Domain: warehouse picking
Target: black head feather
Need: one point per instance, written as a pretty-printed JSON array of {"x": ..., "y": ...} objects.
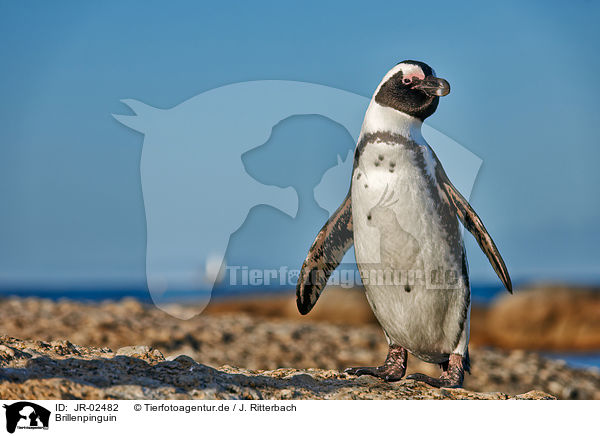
[{"x": 404, "y": 97}]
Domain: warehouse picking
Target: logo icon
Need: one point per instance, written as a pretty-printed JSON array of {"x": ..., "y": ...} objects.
[{"x": 26, "y": 415}]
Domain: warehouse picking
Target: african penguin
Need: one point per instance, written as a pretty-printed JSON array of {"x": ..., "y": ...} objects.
[{"x": 401, "y": 214}]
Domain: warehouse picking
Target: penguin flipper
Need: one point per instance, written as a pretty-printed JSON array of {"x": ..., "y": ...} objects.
[
  {"x": 473, "y": 224},
  {"x": 333, "y": 241}
]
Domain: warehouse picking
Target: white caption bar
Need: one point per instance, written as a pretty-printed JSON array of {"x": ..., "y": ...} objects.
[{"x": 75, "y": 417}]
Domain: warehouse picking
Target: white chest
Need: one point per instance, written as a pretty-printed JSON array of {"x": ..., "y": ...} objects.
[
  {"x": 407, "y": 258},
  {"x": 394, "y": 210}
]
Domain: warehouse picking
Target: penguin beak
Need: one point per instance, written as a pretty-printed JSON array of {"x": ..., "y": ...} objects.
[{"x": 432, "y": 86}]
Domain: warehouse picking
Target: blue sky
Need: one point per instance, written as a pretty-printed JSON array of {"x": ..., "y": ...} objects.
[{"x": 523, "y": 99}]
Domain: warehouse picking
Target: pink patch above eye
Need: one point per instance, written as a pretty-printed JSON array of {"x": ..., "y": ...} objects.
[
  {"x": 408, "y": 79},
  {"x": 416, "y": 76}
]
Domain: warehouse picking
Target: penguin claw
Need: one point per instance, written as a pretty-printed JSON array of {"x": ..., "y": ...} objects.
[
  {"x": 362, "y": 370},
  {"x": 445, "y": 381}
]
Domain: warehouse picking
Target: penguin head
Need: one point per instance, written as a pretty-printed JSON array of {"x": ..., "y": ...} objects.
[{"x": 413, "y": 88}]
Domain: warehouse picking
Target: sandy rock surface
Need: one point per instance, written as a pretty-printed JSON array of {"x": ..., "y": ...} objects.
[
  {"x": 61, "y": 370},
  {"x": 228, "y": 340},
  {"x": 546, "y": 317}
]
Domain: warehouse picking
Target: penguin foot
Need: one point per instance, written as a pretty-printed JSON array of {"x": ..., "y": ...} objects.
[
  {"x": 383, "y": 372},
  {"x": 442, "y": 382},
  {"x": 392, "y": 370},
  {"x": 452, "y": 377}
]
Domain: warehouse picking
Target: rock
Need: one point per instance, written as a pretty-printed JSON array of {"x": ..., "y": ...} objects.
[
  {"x": 135, "y": 350},
  {"x": 546, "y": 317},
  {"x": 92, "y": 373},
  {"x": 225, "y": 342},
  {"x": 140, "y": 351},
  {"x": 534, "y": 395}
]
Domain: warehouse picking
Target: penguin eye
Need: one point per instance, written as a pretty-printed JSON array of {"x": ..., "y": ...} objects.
[
  {"x": 406, "y": 80},
  {"x": 369, "y": 217}
]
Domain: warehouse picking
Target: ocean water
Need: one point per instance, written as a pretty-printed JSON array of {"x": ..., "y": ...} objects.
[
  {"x": 480, "y": 294},
  {"x": 577, "y": 360}
]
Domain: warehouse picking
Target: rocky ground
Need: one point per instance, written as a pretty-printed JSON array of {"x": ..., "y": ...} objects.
[
  {"x": 213, "y": 346},
  {"x": 61, "y": 370}
]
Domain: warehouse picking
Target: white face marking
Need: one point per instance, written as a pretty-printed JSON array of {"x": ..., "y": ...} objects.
[{"x": 408, "y": 71}]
